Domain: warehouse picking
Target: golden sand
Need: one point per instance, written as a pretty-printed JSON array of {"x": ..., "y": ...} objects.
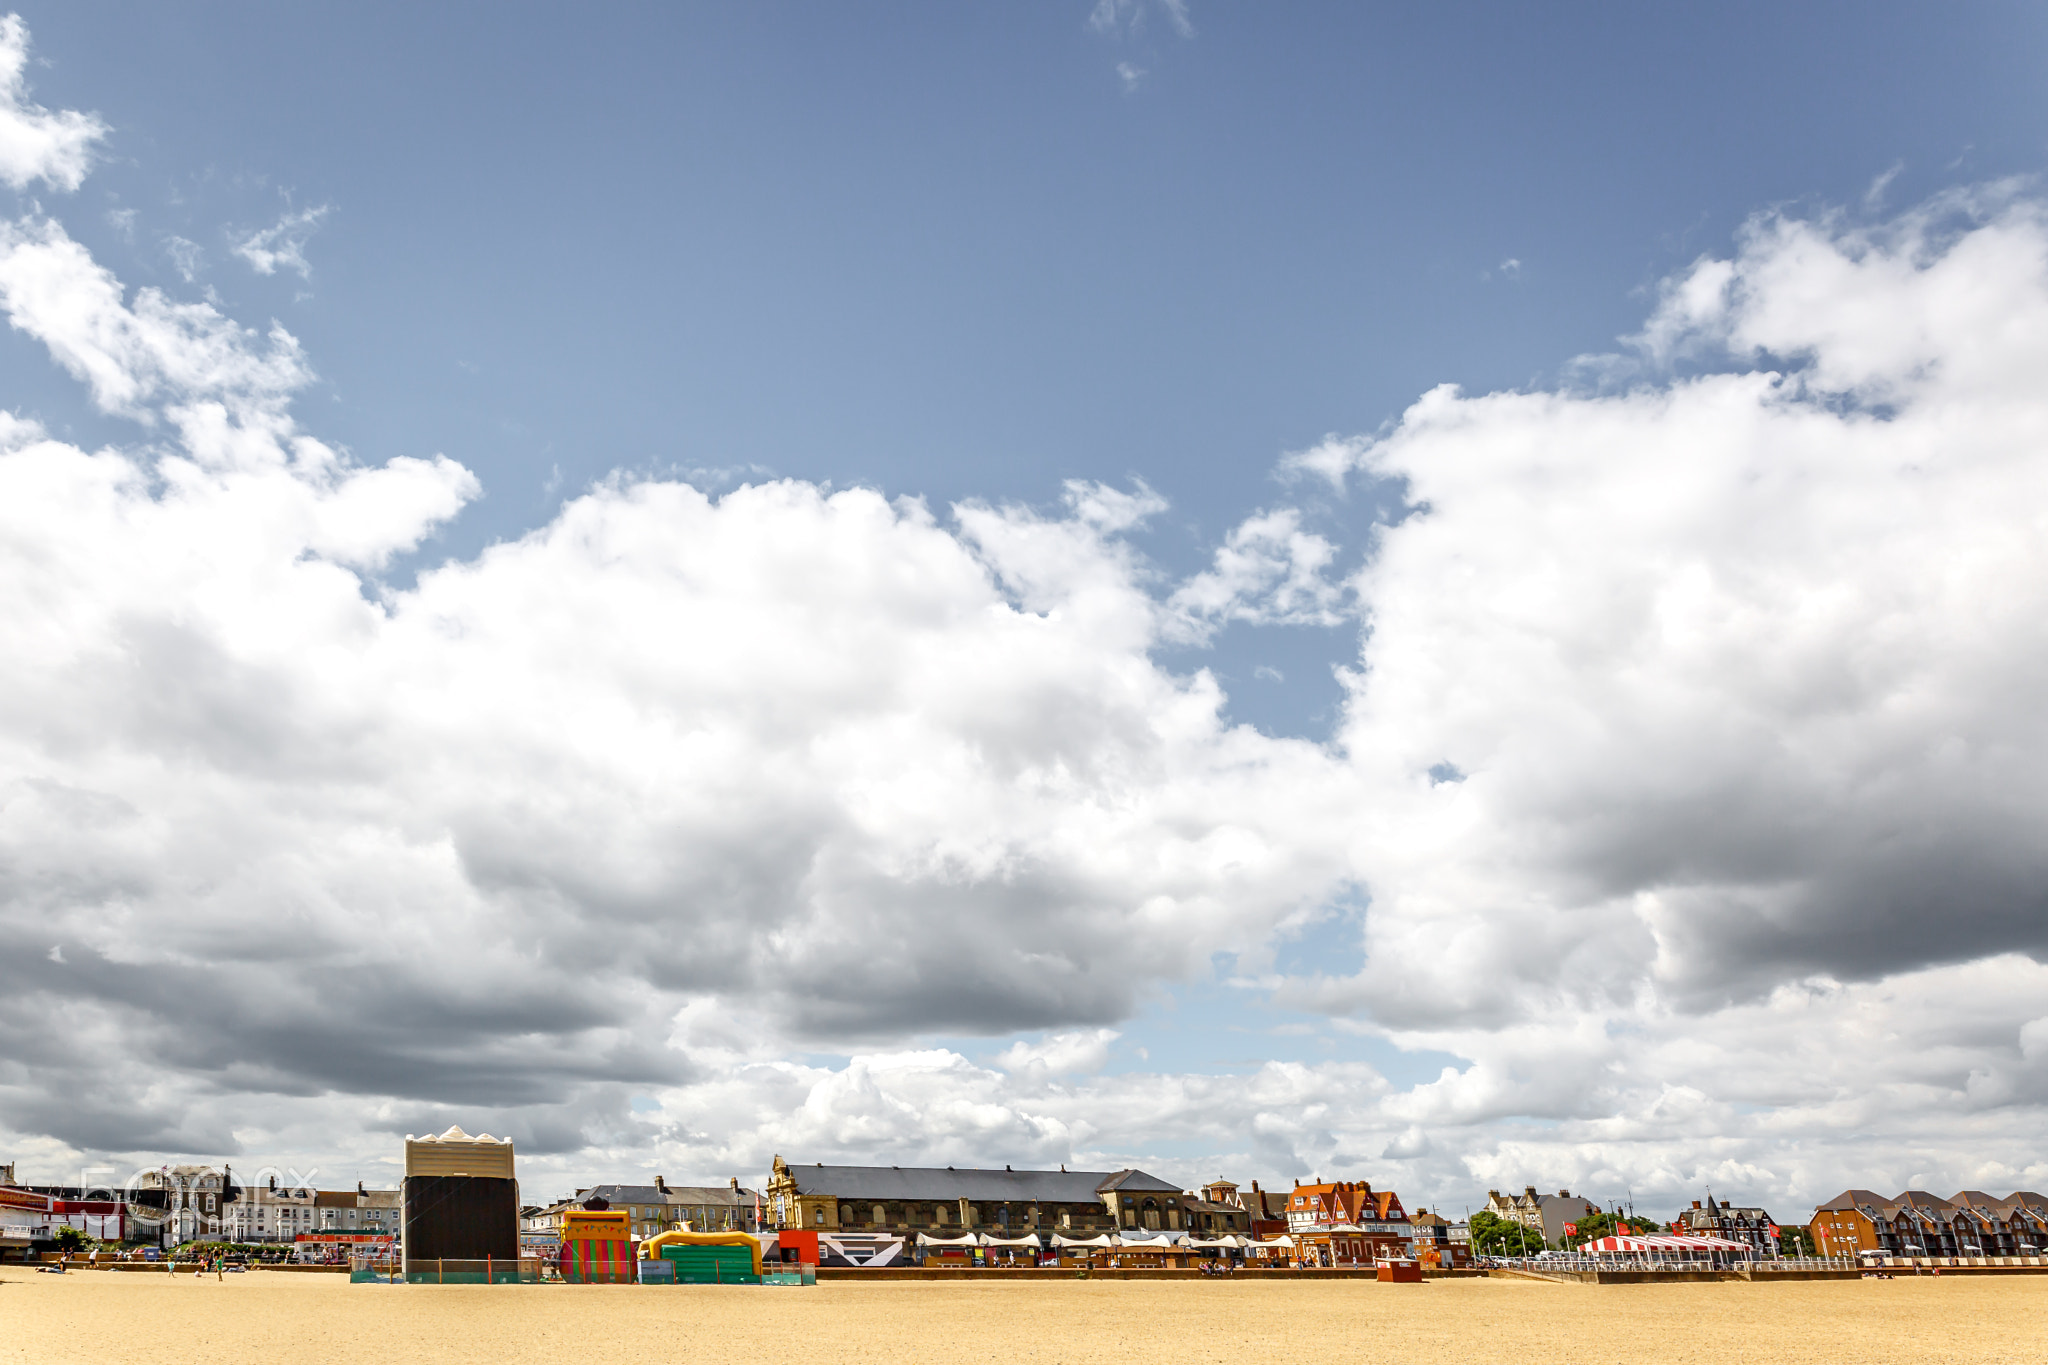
[{"x": 271, "y": 1317}]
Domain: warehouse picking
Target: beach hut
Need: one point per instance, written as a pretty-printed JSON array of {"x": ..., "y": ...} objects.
[
  {"x": 1152, "y": 1247},
  {"x": 1082, "y": 1251},
  {"x": 1270, "y": 1250},
  {"x": 954, "y": 1251},
  {"x": 1011, "y": 1250},
  {"x": 1228, "y": 1247}
]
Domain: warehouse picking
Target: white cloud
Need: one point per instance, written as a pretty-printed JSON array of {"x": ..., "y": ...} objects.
[
  {"x": 1132, "y": 76},
  {"x": 186, "y": 256},
  {"x": 1268, "y": 571},
  {"x": 819, "y": 749},
  {"x": 282, "y": 246},
  {"x": 1742, "y": 880},
  {"x": 1129, "y": 16},
  {"x": 1740, "y": 672},
  {"x": 36, "y": 144},
  {"x": 1332, "y": 459},
  {"x": 1082, "y": 1051}
]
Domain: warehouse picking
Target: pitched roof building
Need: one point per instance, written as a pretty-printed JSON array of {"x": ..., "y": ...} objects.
[
  {"x": 1751, "y": 1226},
  {"x": 950, "y": 1200},
  {"x": 1543, "y": 1214},
  {"x": 1916, "y": 1223},
  {"x": 656, "y": 1208},
  {"x": 1347, "y": 1222}
]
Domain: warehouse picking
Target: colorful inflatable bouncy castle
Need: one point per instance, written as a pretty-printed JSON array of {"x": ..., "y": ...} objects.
[
  {"x": 597, "y": 1245},
  {"x": 708, "y": 1257}
]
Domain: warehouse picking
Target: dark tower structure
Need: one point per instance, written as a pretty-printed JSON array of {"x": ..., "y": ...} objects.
[{"x": 461, "y": 1202}]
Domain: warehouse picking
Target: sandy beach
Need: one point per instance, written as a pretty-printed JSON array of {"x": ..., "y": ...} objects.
[{"x": 263, "y": 1317}]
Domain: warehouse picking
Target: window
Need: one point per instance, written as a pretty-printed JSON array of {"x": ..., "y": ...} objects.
[{"x": 818, "y": 1216}]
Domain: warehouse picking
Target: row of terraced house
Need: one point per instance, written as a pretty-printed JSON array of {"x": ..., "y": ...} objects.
[{"x": 1916, "y": 1223}]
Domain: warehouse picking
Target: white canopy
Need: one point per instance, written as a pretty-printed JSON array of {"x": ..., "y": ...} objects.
[
  {"x": 1281, "y": 1241},
  {"x": 1060, "y": 1239},
  {"x": 965, "y": 1239},
  {"x": 1028, "y": 1240},
  {"x": 1152, "y": 1238},
  {"x": 1227, "y": 1240}
]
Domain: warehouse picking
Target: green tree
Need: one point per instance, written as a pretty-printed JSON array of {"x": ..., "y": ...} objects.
[
  {"x": 1602, "y": 1224},
  {"x": 70, "y": 1239},
  {"x": 1493, "y": 1235},
  {"x": 1795, "y": 1241}
]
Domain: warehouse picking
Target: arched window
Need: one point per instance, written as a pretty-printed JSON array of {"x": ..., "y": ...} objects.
[
  {"x": 818, "y": 1216},
  {"x": 880, "y": 1216}
]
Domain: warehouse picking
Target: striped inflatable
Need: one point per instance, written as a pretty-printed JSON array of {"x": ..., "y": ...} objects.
[{"x": 607, "y": 1261}]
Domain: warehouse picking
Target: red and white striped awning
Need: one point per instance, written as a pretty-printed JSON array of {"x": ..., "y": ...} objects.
[{"x": 1666, "y": 1243}]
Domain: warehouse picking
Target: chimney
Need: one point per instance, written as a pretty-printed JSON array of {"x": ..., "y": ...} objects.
[
  {"x": 661, "y": 1184},
  {"x": 1695, "y": 1203},
  {"x": 735, "y": 1183}
]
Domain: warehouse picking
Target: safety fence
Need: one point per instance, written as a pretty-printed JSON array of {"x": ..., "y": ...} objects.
[
  {"x": 1669, "y": 1264},
  {"x": 371, "y": 1269},
  {"x": 489, "y": 1270}
]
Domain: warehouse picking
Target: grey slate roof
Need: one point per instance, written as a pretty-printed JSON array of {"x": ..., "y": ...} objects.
[
  {"x": 676, "y": 1194},
  {"x": 944, "y": 1183}
]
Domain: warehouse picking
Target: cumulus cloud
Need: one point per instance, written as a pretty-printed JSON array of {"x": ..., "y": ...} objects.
[
  {"x": 887, "y": 770},
  {"x": 1269, "y": 570},
  {"x": 282, "y": 246},
  {"x": 36, "y": 144},
  {"x": 1736, "y": 665},
  {"x": 1690, "y": 764}
]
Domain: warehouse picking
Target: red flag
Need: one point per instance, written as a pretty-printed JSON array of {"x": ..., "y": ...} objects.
[{"x": 1571, "y": 1229}]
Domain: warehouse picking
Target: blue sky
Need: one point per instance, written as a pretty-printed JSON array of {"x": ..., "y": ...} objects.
[
  {"x": 942, "y": 249},
  {"x": 949, "y": 250},
  {"x": 972, "y": 253}
]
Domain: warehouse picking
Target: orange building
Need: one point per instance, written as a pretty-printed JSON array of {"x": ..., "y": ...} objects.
[
  {"x": 1847, "y": 1224},
  {"x": 1347, "y": 1223},
  {"x": 1916, "y": 1223}
]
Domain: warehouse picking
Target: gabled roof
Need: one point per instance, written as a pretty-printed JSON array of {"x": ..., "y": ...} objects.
[
  {"x": 1850, "y": 1200},
  {"x": 1922, "y": 1199},
  {"x": 938, "y": 1184},
  {"x": 709, "y": 1194}
]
